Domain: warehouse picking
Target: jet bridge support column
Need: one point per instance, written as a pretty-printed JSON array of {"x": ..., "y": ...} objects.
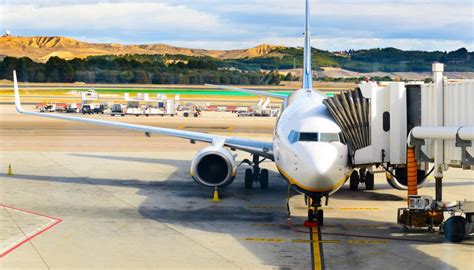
[{"x": 439, "y": 121}]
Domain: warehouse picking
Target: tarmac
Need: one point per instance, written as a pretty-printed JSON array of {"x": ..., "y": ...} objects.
[{"x": 81, "y": 196}]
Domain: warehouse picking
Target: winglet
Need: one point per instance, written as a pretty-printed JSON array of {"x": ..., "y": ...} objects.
[{"x": 17, "y": 94}]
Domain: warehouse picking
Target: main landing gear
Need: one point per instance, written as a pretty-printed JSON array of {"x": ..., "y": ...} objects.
[
  {"x": 361, "y": 176},
  {"x": 256, "y": 174},
  {"x": 315, "y": 215}
]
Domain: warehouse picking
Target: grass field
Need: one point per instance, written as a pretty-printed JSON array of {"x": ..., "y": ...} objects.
[{"x": 183, "y": 92}]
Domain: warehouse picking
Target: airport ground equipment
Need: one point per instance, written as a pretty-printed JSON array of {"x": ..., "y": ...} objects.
[
  {"x": 424, "y": 212},
  {"x": 420, "y": 213},
  {"x": 48, "y": 108},
  {"x": 191, "y": 109},
  {"x": 117, "y": 109},
  {"x": 87, "y": 109},
  {"x": 72, "y": 108}
]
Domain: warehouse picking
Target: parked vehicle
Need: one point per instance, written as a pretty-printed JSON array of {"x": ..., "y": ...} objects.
[
  {"x": 117, "y": 109},
  {"x": 99, "y": 109},
  {"x": 87, "y": 109},
  {"x": 72, "y": 108},
  {"x": 60, "y": 107},
  {"x": 48, "y": 108}
]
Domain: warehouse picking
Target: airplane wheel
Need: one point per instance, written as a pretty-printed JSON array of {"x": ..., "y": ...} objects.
[
  {"x": 263, "y": 179},
  {"x": 320, "y": 217},
  {"x": 369, "y": 181},
  {"x": 248, "y": 179},
  {"x": 311, "y": 215},
  {"x": 354, "y": 180},
  {"x": 455, "y": 229}
]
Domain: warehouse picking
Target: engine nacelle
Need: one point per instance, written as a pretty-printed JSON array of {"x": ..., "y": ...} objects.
[
  {"x": 398, "y": 178},
  {"x": 213, "y": 167}
]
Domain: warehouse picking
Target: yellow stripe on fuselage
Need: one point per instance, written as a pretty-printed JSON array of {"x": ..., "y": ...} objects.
[{"x": 295, "y": 182}]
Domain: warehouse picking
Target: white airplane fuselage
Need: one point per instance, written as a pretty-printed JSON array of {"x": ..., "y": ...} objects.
[{"x": 307, "y": 145}]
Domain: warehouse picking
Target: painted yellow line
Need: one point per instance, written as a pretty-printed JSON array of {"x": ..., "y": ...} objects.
[
  {"x": 315, "y": 248},
  {"x": 369, "y": 242},
  {"x": 314, "y": 241},
  {"x": 273, "y": 240}
]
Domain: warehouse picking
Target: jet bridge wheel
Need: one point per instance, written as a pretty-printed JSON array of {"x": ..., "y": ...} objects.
[
  {"x": 369, "y": 181},
  {"x": 354, "y": 180}
]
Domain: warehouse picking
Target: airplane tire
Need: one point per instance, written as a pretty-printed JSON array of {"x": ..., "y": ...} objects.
[
  {"x": 455, "y": 229},
  {"x": 354, "y": 180},
  {"x": 320, "y": 217},
  {"x": 248, "y": 179},
  {"x": 311, "y": 215},
  {"x": 263, "y": 179},
  {"x": 369, "y": 181}
]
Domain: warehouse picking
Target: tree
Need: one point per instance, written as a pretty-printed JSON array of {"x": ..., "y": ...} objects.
[
  {"x": 289, "y": 77},
  {"x": 141, "y": 77}
]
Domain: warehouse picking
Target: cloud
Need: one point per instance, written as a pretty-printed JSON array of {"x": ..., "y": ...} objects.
[{"x": 336, "y": 24}]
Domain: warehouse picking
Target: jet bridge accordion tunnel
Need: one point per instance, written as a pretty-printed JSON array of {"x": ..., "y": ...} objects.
[{"x": 376, "y": 120}]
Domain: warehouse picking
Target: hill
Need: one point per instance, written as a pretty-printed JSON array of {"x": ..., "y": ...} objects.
[
  {"x": 262, "y": 57},
  {"x": 40, "y": 49}
]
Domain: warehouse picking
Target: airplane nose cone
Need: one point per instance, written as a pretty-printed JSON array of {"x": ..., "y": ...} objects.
[{"x": 322, "y": 165}]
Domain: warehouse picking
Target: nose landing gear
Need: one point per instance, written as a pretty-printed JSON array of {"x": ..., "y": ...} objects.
[
  {"x": 256, "y": 174},
  {"x": 315, "y": 215}
]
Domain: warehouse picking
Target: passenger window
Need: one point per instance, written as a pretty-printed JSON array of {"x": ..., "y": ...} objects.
[
  {"x": 329, "y": 137},
  {"x": 308, "y": 137}
]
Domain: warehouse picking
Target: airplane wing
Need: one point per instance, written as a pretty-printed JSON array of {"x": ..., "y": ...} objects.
[
  {"x": 254, "y": 92},
  {"x": 264, "y": 149}
]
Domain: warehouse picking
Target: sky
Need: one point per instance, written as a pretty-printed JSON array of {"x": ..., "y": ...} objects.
[{"x": 232, "y": 24}]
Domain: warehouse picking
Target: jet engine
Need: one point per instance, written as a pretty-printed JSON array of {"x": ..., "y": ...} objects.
[
  {"x": 213, "y": 167},
  {"x": 397, "y": 178}
]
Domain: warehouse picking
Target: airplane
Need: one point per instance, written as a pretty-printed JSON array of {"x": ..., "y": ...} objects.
[{"x": 308, "y": 148}]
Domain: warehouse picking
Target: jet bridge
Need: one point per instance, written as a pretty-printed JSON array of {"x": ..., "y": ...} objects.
[
  {"x": 410, "y": 130},
  {"x": 376, "y": 120}
]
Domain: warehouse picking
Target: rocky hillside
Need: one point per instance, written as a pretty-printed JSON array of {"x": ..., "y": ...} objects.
[{"x": 40, "y": 49}]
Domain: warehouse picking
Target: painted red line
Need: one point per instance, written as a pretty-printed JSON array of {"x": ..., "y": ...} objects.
[
  {"x": 57, "y": 221},
  {"x": 29, "y": 212}
]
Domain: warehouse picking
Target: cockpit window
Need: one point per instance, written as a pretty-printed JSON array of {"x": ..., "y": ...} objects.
[
  {"x": 308, "y": 137},
  {"x": 293, "y": 137},
  {"x": 296, "y": 136},
  {"x": 329, "y": 137}
]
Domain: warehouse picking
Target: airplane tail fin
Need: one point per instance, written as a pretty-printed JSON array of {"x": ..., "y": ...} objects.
[{"x": 307, "y": 71}]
